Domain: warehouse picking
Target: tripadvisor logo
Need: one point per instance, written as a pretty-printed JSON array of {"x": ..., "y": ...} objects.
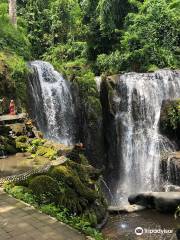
[{"x": 139, "y": 231}]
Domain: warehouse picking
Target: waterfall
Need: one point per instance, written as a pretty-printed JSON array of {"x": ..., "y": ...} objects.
[
  {"x": 138, "y": 105},
  {"x": 52, "y": 103}
]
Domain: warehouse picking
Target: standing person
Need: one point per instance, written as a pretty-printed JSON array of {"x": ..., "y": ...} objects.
[{"x": 12, "y": 108}]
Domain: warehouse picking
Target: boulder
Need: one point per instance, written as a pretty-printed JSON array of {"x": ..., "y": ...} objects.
[{"x": 161, "y": 201}]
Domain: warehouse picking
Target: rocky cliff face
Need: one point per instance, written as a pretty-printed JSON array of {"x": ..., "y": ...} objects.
[
  {"x": 108, "y": 92},
  {"x": 90, "y": 124}
]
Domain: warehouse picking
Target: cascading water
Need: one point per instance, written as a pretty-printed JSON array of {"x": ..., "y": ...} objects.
[
  {"x": 52, "y": 103},
  {"x": 138, "y": 103}
]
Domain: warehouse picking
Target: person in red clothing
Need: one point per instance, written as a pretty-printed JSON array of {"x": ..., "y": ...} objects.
[{"x": 12, "y": 108}]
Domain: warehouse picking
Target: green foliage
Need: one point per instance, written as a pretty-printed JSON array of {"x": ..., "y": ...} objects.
[
  {"x": 149, "y": 41},
  {"x": 62, "y": 214},
  {"x": 109, "y": 64},
  {"x": 112, "y": 36},
  {"x": 62, "y": 53},
  {"x": 7, "y": 144},
  {"x": 22, "y": 143},
  {"x": 51, "y": 22},
  {"x": 151, "y": 37},
  {"x": 170, "y": 117},
  {"x": 46, "y": 152},
  {"x": 45, "y": 189},
  {"x": 20, "y": 192},
  {"x": 13, "y": 73},
  {"x": 34, "y": 144},
  {"x": 12, "y": 39},
  {"x": 14, "y": 47}
]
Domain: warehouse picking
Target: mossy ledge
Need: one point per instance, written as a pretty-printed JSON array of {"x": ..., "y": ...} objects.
[{"x": 71, "y": 192}]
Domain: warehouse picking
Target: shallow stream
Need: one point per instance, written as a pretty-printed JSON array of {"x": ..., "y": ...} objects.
[{"x": 122, "y": 226}]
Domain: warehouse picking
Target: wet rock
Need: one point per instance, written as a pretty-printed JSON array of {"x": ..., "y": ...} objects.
[
  {"x": 60, "y": 148},
  {"x": 21, "y": 154},
  {"x": 170, "y": 168},
  {"x": 18, "y": 128},
  {"x": 127, "y": 208},
  {"x": 171, "y": 188},
  {"x": 162, "y": 201}
]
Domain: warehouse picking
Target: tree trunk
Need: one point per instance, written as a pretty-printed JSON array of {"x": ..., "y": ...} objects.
[{"x": 12, "y": 12}]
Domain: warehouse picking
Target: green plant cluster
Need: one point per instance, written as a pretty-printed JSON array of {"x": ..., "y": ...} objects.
[
  {"x": 36, "y": 146},
  {"x": 7, "y": 144},
  {"x": 170, "y": 118},
  {"x": 60, "y": 213}
]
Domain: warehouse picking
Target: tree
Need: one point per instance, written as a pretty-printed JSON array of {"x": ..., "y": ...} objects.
[
  {"x": 104, "y": 19},
  {"x": 12, "y": 12},
  {"x": 151, "y": 37}
]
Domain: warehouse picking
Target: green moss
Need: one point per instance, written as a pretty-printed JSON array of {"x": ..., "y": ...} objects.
[
  {"x": 71, "y": 200},
  {"x": 45, "y": 188},
  {"x": 46, "y": 152},
  {"x": 7, "y": 144},
  {"x": 66, "y": 175},
  {"x": 22, "y": 143}
]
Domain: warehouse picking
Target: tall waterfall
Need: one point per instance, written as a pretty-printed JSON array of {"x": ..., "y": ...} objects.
[
  {"x": 138, "y": 106},
  {"x": 52, "y": 103}
]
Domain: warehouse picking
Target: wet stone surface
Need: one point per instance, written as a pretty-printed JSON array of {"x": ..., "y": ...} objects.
[{"x": 122, "y": 226}]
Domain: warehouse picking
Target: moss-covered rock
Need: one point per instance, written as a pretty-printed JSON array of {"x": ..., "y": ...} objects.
[
  {"x": 67, "y": 176},
  {"x": 45, "y": 188},
  {"x": 73, "y": 185},
  {"x": 61, "y": 149},
  {"x": 46, "y": 152},
  {"x": 7, "y": 144}
]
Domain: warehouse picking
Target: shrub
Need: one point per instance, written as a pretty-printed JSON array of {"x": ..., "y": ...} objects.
[
  {"x": 20, "y": 192},
  {"x": 45, "y": 188},
  {"x": 109, "y": 64},
  {"x": 67, "y": 52},
  {"x": 22, "y": 143},
  {"x": 46, "y": 152}
]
